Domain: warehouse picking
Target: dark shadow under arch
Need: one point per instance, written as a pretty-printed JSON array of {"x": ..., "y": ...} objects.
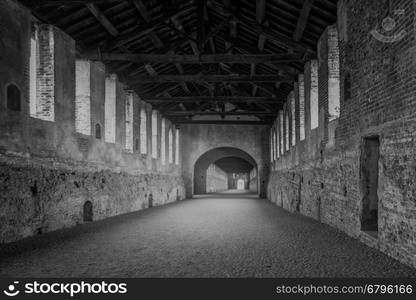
[
  {"x": 87, "y": 211},
  {"x": 98, "y": 131},
  {"x": 13, "y": 97},
  {"x": 211, "y": 156}
]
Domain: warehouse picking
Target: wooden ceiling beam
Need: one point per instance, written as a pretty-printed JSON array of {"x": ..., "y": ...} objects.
[
  {"x": 248, "y": 49},
  {"x": 99, "y": 15},
  {"x": 191, "y": 38},
  {"x": 303, "y": 20},
  {"x": 222, "y": 122},
  {"x": 195, "y": 59},
  {"x": 76, "y": 2},
  {"x": 215, "y": 113},
  {"x": 201, "y": 11},
  {"x": 141, "y": 8},
  {"x": 156, "y": 78},
  {"x": 183, "y": 84},
  {"x": 260, "y": 16},
  {"x": 214, "y": 99},
  {"x": 50, "y": 3},
  {"x": 272, "y": 35},
  {"x": 137, "y": 31}
]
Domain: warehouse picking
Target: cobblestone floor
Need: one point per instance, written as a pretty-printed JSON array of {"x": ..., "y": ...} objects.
[{"x": 213, "y": 236}]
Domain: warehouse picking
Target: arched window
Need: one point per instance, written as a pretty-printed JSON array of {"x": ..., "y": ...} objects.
[
  {"x": 13, "y": 97},
  {"x": 98, "y": 131},
  {"x": 143, "y": 131},
  {"x": 154, "y": 134},
  {"x": 347, "y": 87},
  {"x": 170, "y": 140},
  {"x": 240, "y": 184},
  {"x": 88, "y": 214}
]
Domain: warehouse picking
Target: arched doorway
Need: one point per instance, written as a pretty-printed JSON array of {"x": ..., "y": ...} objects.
[
  {"x": 87, "y": 211},
  {"x": 241, "y": 184},
  {"x": 230, "y": 164}
]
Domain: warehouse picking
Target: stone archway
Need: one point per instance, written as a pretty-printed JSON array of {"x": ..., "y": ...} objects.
[{"x": 210, "y": 157}]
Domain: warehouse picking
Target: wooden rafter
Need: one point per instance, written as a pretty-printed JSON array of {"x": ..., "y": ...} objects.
[
  {"x": 145, "y": 43},
  {"x": 272, "y": 35},
  {"x": 155, "y": 78},
  {"x": 135, "y": 32},
  {"x": 222, "y": 122},
  {"x": 213, "y": 99},
  {"x": 303, "y": 20},
  {"x": 194, "y": 59},
  {"x": 191, "y": 38},
  {"x": 215, "y": 113},
  {"x": 260, "y": 15},
  {"x": 141, "y": 8},
  {"x": 102, "y": 19}
]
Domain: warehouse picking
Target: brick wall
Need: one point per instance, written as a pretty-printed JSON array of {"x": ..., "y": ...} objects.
[
  {"x": 202, "y": 139},
  {"x": 48, "y": 170},
  {"x": 129, "y": 122},
  {"x": 326, "y": 183},
  {"x": 217, "y": 179},
  {"x": 45, "y": 105},
  {"x": 51, "y": 197},
  {"x": 83, "y": 97}
]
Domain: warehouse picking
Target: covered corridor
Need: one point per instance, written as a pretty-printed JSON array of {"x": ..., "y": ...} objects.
[{"x": 220, "y": 235}]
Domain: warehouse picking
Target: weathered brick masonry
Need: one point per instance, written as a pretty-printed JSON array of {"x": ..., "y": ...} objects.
[
  {"x": 47, "y": 195},
  {"x": 48, "y": 171},
  {"x": 327, "y": 184},
  {"x": 216, "y": 179}
]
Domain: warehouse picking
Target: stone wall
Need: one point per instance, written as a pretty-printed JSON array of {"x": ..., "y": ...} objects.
[
  {"x": 47, "y": 169},
  {"x": 217, "y": 179},
  {"x": 326, "y": 183},
  {"x": 41, "y": 195},
  {"x": 200, "y": 139},
  {"x": 253, "y": 181}
]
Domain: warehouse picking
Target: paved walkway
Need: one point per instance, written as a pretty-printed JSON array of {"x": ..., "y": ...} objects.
[{"x": 221, "y": 235}]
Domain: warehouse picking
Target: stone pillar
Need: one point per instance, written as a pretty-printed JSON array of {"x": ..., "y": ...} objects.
[
  {"x": 98, "y": 97},
  {"x": 136, "y": 123},
  {"x": 45, "y": 104},
  {"x": 281, "y": 131},
  {"x": 129, "y": 131},
  {"x": 120, "y": 115},
  {"x": 177, "y": 146},
  {"x": 83, "y": 97},
  {"x": 311, "y": 107},
  {"x": 110, "y": 109},
  {"x": 334, "y": 85},
  {"x": 300, "y": 88}
]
